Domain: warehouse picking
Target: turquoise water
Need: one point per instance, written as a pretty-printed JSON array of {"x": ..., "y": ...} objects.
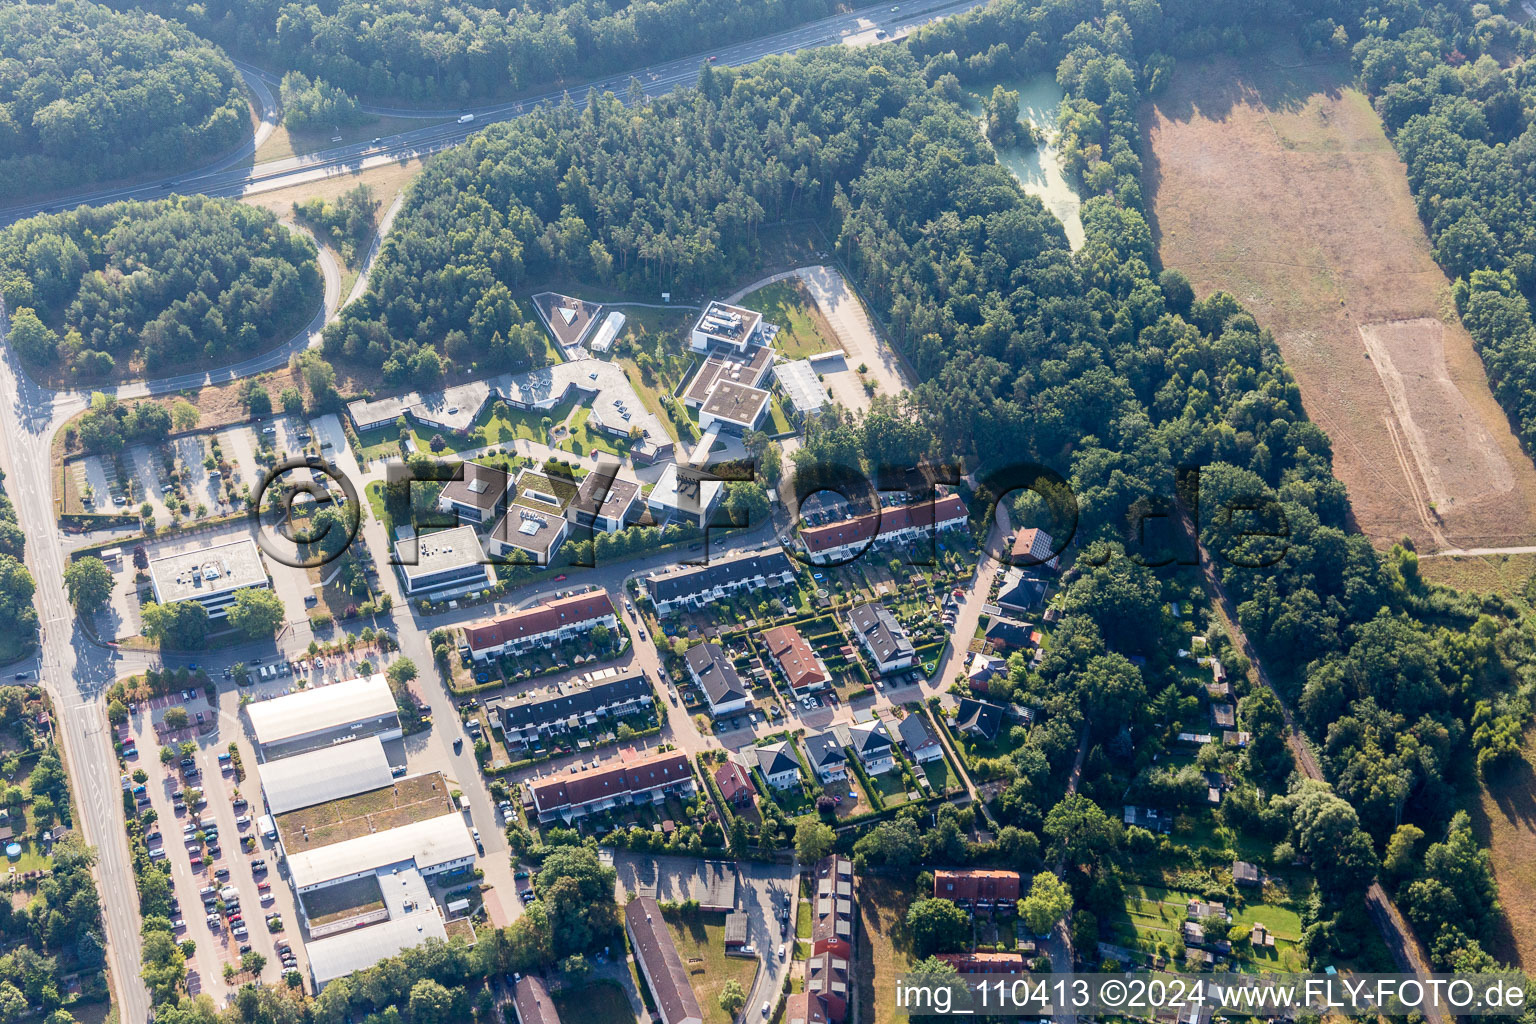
[{"x": 1038, "y": 169}]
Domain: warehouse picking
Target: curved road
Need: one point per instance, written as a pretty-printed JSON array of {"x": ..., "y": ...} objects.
[
  {"x": 75, "y": 667},
  {"x": 225, "y": 179}
]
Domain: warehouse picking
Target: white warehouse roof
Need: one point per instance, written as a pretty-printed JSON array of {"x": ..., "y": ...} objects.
[
  {"x": 329, "y": 773},
  {"x": 339, "y": 955},
  {"x": 320, "y": 708},
  {"x": 429, "y": 844}
]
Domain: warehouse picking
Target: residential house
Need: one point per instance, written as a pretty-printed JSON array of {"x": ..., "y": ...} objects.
[
  {"x": 832, "y": 907},
  {"x": 977, "y": 887},
  {"x": 1244, "y": 873},
  {"x": 544, "y": 625},
  {"x": 986, "y": 963},
  {"x": 1223, "y": 716},
  {"x": 735, "y": 785},
  {"x": 714, "y": 674},
  {"x": 921, "y": 744},
  {"x": 696, "y": 587},
  {"x": 1020, "y": 592},
  {"x": 1035, "y": 547},
  {"x": 871, "y": 744},
  {"x": 982, "y": 670},
  {"x": 477, "y": 496},
  {"x": 824, "y": 751},
  {"x": 827, "y": 987},
  {"x": 530, "y": 717},
  {"x": 659, "y": 964},
  {"x": 1149, "y": 818},
  {"x": 882, "y": 637},
  {"x": 778, "y": 764},
  {"x": 803, "y": 669},
  {"x": 1206, "y": 910},
  {"x": 1005, "y": 634},
  {"x": 634, "y": 780},
  {"x": 979, "y": 719},
  {"x": 837, "y": 542},
  {"x": 531, "y": 998}
]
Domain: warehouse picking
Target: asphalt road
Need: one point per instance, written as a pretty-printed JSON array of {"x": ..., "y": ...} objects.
[
  {"x": 77, "y": 669},
  {"x": 234, "y": 175}
]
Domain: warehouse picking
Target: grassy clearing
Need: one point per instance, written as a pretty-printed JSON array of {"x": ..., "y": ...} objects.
[
  {"x": 1504, "y": 818},
  {"x": 803, "y": 329},
  {"x": 595, "y": 1002},
  {"x": 886, "y": 949},
  {"x": 700, "y": 942},
  {"x": 1500, "y": 574}
]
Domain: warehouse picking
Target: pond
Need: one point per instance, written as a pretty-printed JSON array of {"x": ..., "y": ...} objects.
[{"x": 1037, "y": 169}]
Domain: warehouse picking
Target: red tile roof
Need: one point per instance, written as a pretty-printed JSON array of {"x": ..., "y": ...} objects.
[
  {"x": 539, "y": 619},
  {"x": 794, "y": 656},
  {"x": 733, "y": 781},
  {"x": 573, "y": 790},
  {"x": 976, "y": 885},
  {"x": 921, "y": 514},
  {"x": 986, "y": 963}
]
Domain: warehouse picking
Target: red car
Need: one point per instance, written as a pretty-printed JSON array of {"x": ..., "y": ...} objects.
[{"x": 560, "y": 578}]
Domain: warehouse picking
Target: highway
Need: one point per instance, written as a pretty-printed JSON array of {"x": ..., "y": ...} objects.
[{"x": 234, "y": 175}]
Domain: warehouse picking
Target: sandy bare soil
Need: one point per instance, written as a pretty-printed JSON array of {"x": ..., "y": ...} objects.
[{"x": 1273, "y": 180}]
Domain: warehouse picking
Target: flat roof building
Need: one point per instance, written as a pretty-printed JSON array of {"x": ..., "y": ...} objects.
[
  {"x": 329, "y": 773},
  {"x": 806, "y": 393},
  {"x": 722, "y": 325},
  {"x": 735, "y": 408},
  {"x": 534, "y": 525},
  {"x": 209, "y": 576},
  {"x": 431, "y": 846},
  {"x": 659, "y": 963},
  {"x": 749, "y": 368},
  {"x": 681, "y": 494},
  {"x": 442, "y": 562},
  {"x": 337, "y": 956},
  {"x": 323, "y": 715},
  {"x": 478, "y": 496},
  {"x": 602, "y": 341},
  {"x": 606, "y": 501}
]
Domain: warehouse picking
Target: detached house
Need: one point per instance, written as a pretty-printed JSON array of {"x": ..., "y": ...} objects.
[
  {"x": 777, "y": 762},
  {"x": 922, "y": 746},
  {"x": 714, "y": 674},
  {"x": 871, "y": 744},
  {"x": 882, "y": 638},
  {"x": 803, "y": 669},
  {"x": 735, "y": 785},
  {"x": 979, "y": 719},
  {"x": 825, "y": 753},
  {"x": 1035, "y": 547}
]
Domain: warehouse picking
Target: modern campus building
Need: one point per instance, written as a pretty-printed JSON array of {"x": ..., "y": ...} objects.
[
  {"x": 431, "y": 846},
  {"x": 723, "y": 326},
  {"x": 607, "y": 501},
  {"x": 324, "y": 715},
  {"x": 543, "y": 625},
  {"x": 442, "y": 563},
  {"x": 680, "y": 494},
  {"x": 329, "y": 773},
  {"x": 209, "y": 576},
  {"x": 534, "y": 525},
  {"x": 806, "y": 393},
  {"x": 477, "y": 497}
]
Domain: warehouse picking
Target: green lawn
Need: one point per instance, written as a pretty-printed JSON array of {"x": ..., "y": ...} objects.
[
  {"x": 804, "y": 331},
  {"x": 493, "y": 427},
  {"x": 803, "y": 922},
  {"x": 583, "y": 440},
  {"x": 892, "y": 792},
  {"x": 778, "y": 423},
  {"x": 941, "y": 776},
  {"x": 700, "y": 940},
  {"x": 594, "y": 1002},
  {"x": 1281, "y": 922}
]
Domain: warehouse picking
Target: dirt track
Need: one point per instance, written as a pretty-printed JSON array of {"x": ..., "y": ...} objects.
[{"x": 1277, "y": 184}]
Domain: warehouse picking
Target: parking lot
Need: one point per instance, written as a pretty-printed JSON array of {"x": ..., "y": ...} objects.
[
  {"x": 196, "y": 865},
  {"x": 202, "y": 489}
]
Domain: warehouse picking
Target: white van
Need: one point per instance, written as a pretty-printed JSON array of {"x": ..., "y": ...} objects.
[{"x": 466, "y": 119}]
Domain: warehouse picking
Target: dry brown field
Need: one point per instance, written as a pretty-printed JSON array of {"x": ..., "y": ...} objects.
[{"x": 1272, "y": 179}]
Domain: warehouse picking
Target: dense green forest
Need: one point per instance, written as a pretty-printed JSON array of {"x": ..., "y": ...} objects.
[
  {"x": 147, "y": 286},
  {"x": 88, "y": 93},
  {"x": 454, "y": 51},
  {"x": 1099, "y": 364}
]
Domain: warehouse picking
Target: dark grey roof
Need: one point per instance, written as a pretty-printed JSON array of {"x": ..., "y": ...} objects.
[
  {"x": 775, "y": 759},
  {"x": 824, "y": 749},
  {"x": 483, "y": 487},
  {"x": 715, "y": 673},
  {"x": 1021, "y": 590},
  {"x": 875, "y": 624},
  {"x": 979, "y": 716},
  {"x": 567, "y": 699},
  {"x": 915, "y": 733},
  {"x": 678, "y": 585},
  {"x": 1008, "y": 631},
  {"x": 869, "y": 739}
]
